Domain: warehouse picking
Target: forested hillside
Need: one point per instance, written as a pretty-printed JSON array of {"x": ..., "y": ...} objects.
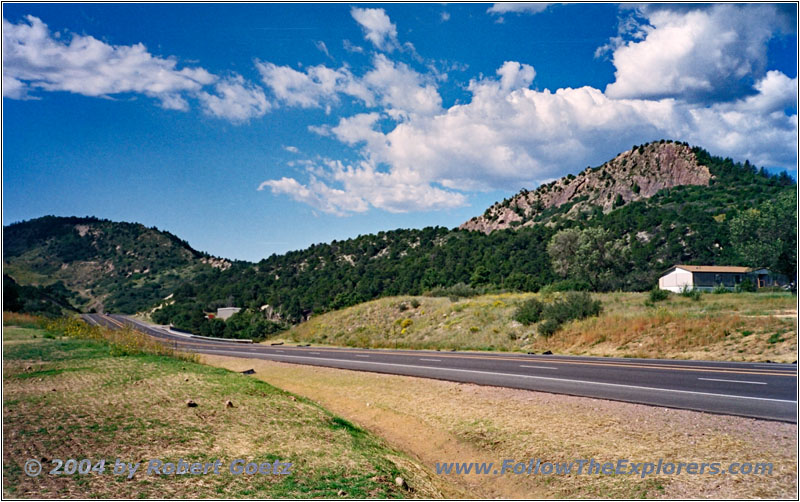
[
  {"x": 743, "y": 216},
  {"x": 107, "y": 265}
]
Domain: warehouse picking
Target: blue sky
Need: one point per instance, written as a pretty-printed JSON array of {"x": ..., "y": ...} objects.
[{"x": 257, "y": 129}]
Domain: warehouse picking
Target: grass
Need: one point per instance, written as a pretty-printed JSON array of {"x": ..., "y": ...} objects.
[
  {"x": 723, "y": 327},
  {"x": 439, "y": 421},
  {"x": 71, "y": 395}
]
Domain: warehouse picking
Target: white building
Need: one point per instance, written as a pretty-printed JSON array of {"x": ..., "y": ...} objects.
[
  {"x": 225, "y": 312},
  {"x": 707, "y": 277}
]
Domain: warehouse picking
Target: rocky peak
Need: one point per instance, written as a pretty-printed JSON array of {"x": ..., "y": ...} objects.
[{"x": 632, "y": 175}]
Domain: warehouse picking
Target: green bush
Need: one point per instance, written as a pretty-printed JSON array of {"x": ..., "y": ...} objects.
[
  {"x": 459, "y": 290},
  {"x": 572, "y": 307},
  {"x": 746, "y": 285},
  {"x": 692, "y": 293},
  {"x": 548, "y": 327},
  {"x": 566, "y": 285},
  {"x": 719, "y": 289},
  {"x": 658, "y": 295},
  {"x": 529, "y": 312}
]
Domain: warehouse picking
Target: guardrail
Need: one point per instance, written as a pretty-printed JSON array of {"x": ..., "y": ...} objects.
[{"x": 178, "y": 332}]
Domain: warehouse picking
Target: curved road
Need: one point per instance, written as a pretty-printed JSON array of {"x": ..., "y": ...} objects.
[{"x": 759, "y": 390}]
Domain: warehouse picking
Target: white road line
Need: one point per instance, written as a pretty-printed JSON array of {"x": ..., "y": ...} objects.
[
  {"x": 317, "y": 353},
  {"x": 568, "y": 380},
  {"x": 357, "y": 355},
  {"x": 537, "y": 367},
  {"x": 435, "y": 360},
  {"x": 278, "y": 351},
  {"x": 734, "y": 381}
]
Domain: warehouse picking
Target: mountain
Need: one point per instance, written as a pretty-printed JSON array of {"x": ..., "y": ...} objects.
[
  {"x": 636, "y": 174},
  {"x": 669, "y": 204},
  {"x": 107, "y": 265}
]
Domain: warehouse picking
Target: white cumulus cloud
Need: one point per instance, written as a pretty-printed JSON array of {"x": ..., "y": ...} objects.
[
  {"x": 378, "y": 28},
  {"x": 312, "y": 88},
  {"x": 697, "y": 54},
  {"x": 33, "y": 60},
  {"x": 235, "y": 100}
]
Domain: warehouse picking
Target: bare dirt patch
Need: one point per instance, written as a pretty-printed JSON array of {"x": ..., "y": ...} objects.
[{"x": 437, "y": 421}]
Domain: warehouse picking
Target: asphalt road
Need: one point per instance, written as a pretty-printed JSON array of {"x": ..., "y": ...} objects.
[{"x": 759, "y": 390}]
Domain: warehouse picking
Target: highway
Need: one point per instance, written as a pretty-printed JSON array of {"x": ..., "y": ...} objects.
[{"x": 758, "y": 390}]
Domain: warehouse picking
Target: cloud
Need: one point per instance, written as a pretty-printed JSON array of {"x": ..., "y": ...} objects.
[
  {"x": 292, "y": 149},
  {"x": 235, "y": 100},
  {"x": 378, "y": 28},
  {"x": 514, "y": 75},
  {"x": 715, "y": 53},
  {"x": 445, "y": 16},
  {"x": 312, "y": 88},
  {"x": 34, "y": 60},
  {"x": 402, "y": 90},
  {"x": 318, "y": 195},
  {"x": 363, "y": 187},
  {"x": 518, "y": 7},
  {"x": 509, "y": 136},
  {"x": 320, "y": 45},
  {"x": 350, "y": 47},
  {"x": 398, "y": 88}
]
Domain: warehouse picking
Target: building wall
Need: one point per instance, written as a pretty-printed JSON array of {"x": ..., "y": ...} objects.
[
  {"x": 676, "y": 280},
  {"x": 709, "y": 280},
  {"x": 226, "y": 312}
]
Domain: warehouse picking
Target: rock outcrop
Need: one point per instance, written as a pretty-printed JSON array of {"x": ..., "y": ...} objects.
[{"x": 632, "y": 175}]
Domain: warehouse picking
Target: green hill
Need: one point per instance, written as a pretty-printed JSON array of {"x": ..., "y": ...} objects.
[
  {"x": 106, "y": 265},
  {"x": 732, "y": 327},
  {"x": 675, "y": 204}
]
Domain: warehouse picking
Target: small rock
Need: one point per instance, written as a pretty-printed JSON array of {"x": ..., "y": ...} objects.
[
  {"x": 28, "y": 368},
  {"x": 248, "y": 372},
  {"x": 293, "y": 398},
  {"x": 186, "y": 379},
  {"x": 191, "y": 404},
  {"x": 53, "y": 390},
  {"x": 341, "y": 493},
  {"x": 228, "y": 404},
  {"x": 400, "y": 482},
  {"x": 547, "y": 353}
]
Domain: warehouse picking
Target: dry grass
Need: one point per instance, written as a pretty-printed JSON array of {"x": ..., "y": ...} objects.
[
  {"x": 744, "y": 327},
  {"x": 439, "y": 421},
  {"x": 69, "y": 397}
]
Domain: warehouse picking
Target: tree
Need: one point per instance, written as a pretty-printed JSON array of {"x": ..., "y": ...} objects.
[
  {"x": 766, "y": 236},
  {"x": 588, "y": 255}
]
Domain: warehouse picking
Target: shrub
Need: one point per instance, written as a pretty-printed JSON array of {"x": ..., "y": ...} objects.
[
  {"x": 745, "y": 286},
  {"x": 566, "y": 285},
  {"x": 658, "y": 295},
  {"x": 548, "y": 327},
  {"x": 692, "y": 293},
  {"x": 529, "y": 312},
  {"x": 572, "y": 307},
  {"x": 414, "y": 303},
  {"x": 459, "y": 290},
  {"x": 719, "y": 289}
]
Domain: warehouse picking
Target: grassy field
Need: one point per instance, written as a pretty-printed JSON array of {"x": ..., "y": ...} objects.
[
  {"x": 438, "y": 421},
  {"x": 738, "y": 327},
  {"x": 67, "y": 397}
]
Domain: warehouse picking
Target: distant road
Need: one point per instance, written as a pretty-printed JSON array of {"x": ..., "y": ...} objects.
[{"x": 759, "y": 390}]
